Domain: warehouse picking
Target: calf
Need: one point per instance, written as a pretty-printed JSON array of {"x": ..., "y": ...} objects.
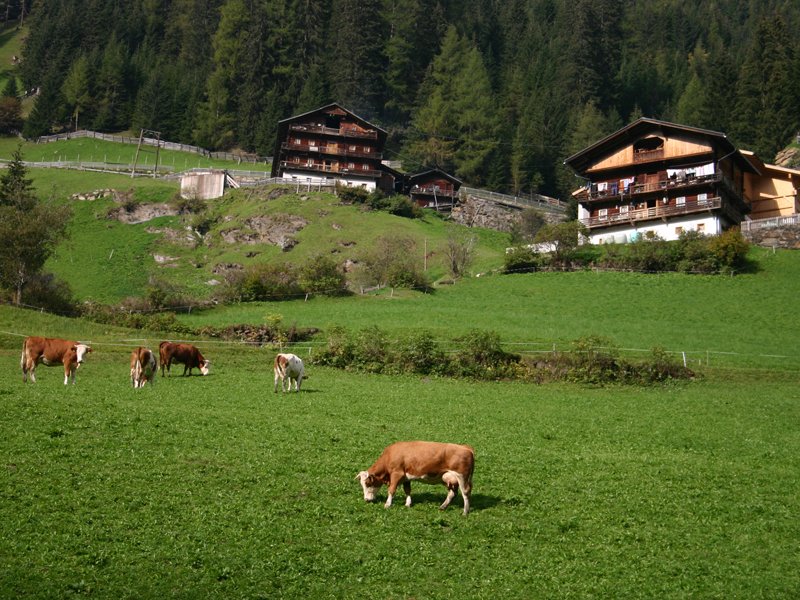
[
  {"x": 52, "y": 352},
  {"x": 186, "y": 354},
  {"x": 143, "y": 367},
  {"x": 430, "y": 462},
  {"x": 288, "y": 367}
]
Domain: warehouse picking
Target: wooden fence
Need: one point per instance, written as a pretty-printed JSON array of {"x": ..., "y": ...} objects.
[{"x": 122, "y": 139}]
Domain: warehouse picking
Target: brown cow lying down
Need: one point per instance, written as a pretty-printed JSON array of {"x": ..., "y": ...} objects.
[
  {"x": 430, "y": 462},
  {"x": 52, "y": 352},
  {"x": 186, "y": 354},
  {"x": 143, "y": 367}
]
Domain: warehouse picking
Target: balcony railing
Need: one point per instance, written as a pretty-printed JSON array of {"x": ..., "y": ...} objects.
[
  {"x": 339, "y": 171},
  {"x": 656, "y": 212},
  {"x": 372, "y": 135},
  {"x": 673, "y": 183},
  {"x": 648, "y": 155},
  {"x": 334, "y": 150},
  {"x": 433, "y": 190}
]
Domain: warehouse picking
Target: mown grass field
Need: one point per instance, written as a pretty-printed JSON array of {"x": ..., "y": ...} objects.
[{"x": 215, "y": 487}]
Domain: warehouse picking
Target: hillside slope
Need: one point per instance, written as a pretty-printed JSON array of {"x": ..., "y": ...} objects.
[{"x": 119, "y": 242}]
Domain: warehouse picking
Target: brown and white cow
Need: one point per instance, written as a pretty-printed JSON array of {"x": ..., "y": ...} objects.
[
  {"x": 288, "y": 368},
  {"x": 186, "y": 354},
  {"x": 52, "y": 352},
  {"x": 143, "y": 367},
  {"x": 429, "y": 462}
]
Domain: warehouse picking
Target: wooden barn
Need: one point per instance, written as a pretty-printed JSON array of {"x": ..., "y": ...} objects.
[
  {"x": 434, "y": 189},
  {"x": 328, "y": 145}
]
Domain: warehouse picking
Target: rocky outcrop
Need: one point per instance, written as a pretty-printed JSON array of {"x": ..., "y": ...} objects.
[{"x": 269, "y": 229}]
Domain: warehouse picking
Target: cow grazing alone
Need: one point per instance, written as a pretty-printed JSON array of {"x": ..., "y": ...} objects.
[
  {"x": 52, "y": 352},
  {"x": 288, "y": 368},
  {"x": 430, "y": 462},
  {"x": 143, "y": 367},
  {"x": 186, "y": 354}
]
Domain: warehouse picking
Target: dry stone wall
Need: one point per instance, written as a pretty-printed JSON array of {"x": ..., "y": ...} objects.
[
  {"x": 787, "y": 236},
  {"x": 477, "y": 212}
]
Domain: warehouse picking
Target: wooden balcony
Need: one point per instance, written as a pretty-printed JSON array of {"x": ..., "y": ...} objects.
[
  {"x": 332, "y": 150},
  {"x": 353, "y": 133},
  {"x": 660, "y": 211},
  {"x": 434, "y": 190},
  {"x": 334, "y": 171},
  {"x": 648, "y": 155},
  {"x": 676, "y": 183}
]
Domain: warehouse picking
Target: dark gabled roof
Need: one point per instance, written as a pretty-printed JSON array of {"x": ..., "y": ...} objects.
[
  {"x": 581, "y": 161},
  {"x": 326, "y": 108},
  {"x": 439, "y": 172}
]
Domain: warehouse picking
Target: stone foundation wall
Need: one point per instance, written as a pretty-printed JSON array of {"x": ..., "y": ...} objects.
[
  {"x": 787, "y": 236},
  {"x": 476, "y": 212}
]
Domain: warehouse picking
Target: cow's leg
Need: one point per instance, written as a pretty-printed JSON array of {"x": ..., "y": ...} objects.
[
  {"x": 67, "y": 372},
  {"x": 456, "y": 481},
  {"x": 407, "y": 490},
  {"x": 298, "y": 382},
  {"x": 452, "y": 480},
  {"x": 394, "y": 481}
]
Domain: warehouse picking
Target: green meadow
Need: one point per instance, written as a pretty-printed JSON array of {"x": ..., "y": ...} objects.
[{"x": 216, "y": 487}]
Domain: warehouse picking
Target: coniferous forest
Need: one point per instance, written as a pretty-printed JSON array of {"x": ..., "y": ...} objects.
[{"x": 497, "y": 92}]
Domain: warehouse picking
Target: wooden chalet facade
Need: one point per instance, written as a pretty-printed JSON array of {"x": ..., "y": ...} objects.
[
  {"x": 327, "y": 145},
  {"x": 434, "y": 189},
  {"x": 664, "y": 178}
]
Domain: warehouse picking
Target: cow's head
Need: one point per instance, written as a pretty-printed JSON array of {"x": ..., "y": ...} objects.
[
  {"x": 370, "y": 484},
  {"x": 81, "y": 350},
  {"x": 205, "y": 367}
]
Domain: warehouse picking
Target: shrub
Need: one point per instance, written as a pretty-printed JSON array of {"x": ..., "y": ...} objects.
[
  {"x": 730, "y": 249},
  {"x": 419, "y": 353},
  {"x": 521, "y": 260},
  {"x": 321, "y": 275},
  {"x": 262, "y": 282},
  {"x": 481, "y": 356},
  {"x": 395, "y": 262}
]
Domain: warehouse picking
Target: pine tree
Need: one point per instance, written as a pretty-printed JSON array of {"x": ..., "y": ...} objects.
[
  {"x": 76, "y": 87},
  {"x": 356, "y": 61}
]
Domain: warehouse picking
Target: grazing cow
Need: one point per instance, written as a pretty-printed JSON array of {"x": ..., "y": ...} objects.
[
  {"x": 52, "y": 352},
  {"x": 143, "y": 367},
  {"x": 288, "y": 367},
  {"x": 430, "y": 462},
  {"x": 186, "y": 354}
]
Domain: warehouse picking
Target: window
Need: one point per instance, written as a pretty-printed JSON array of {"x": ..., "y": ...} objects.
[
  {"x": 702, "y": 198},
  {"x": 367, "y": 149},
  {"x": 680, "y": 200},
  {"x": 365, "y": 167},
  {"x": 602, "y": 214},
  {"x": 701, "y": 227},
  {"x": 298, "y": 141},
  {"x": 352, "y": 148},
  {"x": 678, "y": 230},
  {"x": 351, "y": 165},
  {"x": 623, "y": 210}
]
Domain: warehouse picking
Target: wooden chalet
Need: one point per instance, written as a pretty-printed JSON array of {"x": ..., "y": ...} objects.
[
  {"x": 327, "y": 145},
  {"x": 434, "y": 189},
  {"x": 664, "y": 178}
]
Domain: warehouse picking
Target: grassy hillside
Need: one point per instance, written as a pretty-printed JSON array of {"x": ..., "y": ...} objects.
[{"x": 105, "y": 260}]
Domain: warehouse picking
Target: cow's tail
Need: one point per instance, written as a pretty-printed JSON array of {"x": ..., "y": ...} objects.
[{"x": 23, "y": 363}]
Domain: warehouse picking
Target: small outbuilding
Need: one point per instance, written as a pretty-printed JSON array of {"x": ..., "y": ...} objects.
[{"x": 434, "y": 189}]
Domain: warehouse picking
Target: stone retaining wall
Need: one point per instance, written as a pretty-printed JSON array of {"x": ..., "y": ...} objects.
[
  {"x": 787, "y": 236},
  {"x": 476, "y": 212}
]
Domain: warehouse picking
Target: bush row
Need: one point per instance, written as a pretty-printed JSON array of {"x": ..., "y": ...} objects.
[
  {"x": 693, "y": 252},
  {"x": 480, "y": 355}
]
